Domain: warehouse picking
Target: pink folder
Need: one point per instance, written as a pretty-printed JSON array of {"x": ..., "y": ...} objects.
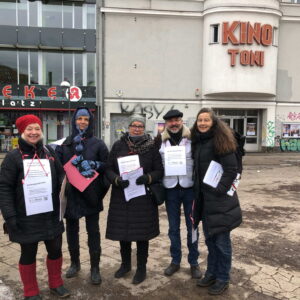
[{"x": 75, "y": 178}]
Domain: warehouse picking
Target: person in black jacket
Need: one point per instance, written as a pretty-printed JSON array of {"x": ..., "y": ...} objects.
[
  {"x": 27, "y": 221},
  {"x": 213, "y": 140},
  {"x": 136, "y": 219},
  {"x": 90, "y": 155}
]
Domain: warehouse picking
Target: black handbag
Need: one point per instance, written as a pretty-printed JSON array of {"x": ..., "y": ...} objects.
[{"x": 158, "y": 193}]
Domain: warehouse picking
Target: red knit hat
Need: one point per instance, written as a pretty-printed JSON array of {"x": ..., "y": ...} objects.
[{"x": 24, "y": 121}]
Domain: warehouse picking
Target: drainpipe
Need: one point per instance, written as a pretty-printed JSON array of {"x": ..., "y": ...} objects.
[{"x": 100, "y": 69}]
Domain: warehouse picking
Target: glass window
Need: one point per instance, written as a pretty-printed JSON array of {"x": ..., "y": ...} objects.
[
  {"x": 34, "y": 75},
  {"x": 78, "y": 69},
  {"x": 214, "y": 33},
  {"x": 251, "y": 127},
  {"x": 68, "y": 67},
  {"x": 52, "y": 68},
  {"x": 8, "y": 66},
  {"x": 52, "y": 14},
  {"x": 91, "y": 69},
  {"x": 22, "y": 13},
  {"x": 78, "y": 16},
  {"x": 8, "y": 13},
  {"x": 33, "y": 13},
  {"x": 23, "y": 67},
  {"x": 91, "y": 16},
  {"x": 67, "y": 15},
  {"x": 230, "y": 112},
  {"x": 251, "y": 140},
  {"x": 251, "y": 112}
]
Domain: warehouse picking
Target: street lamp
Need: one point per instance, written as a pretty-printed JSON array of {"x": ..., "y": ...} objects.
[{"x": 67, "y": 85}]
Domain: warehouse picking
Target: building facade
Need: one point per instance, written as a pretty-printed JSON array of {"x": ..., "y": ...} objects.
[
  {"x": 238, "y": 57},
  {"x": 44, "y": 46}
]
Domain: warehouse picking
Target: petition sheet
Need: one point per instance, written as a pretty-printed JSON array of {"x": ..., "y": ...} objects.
[
  {"x": 133, "y": 190},
  {"x": 213, "y": 174},
  {"x": 175, "y": 161},
  {"x": 128, "y": 163},
  {"x": 37, "y": 186}
]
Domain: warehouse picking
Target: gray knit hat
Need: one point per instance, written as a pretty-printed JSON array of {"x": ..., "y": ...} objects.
[{"x": 137, "y": 118}]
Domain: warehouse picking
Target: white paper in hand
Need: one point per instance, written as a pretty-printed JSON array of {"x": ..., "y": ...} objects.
[
  {"x": 133, "y": 190},
  {"x": 213, "y": 174}
]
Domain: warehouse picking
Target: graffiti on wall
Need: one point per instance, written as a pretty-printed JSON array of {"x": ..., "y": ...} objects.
[
  {"x": 290, "y": 145},
  {"x": 150, "y": 110},
  {"x": 293, "y": 116},
  {"x": 270, "y": 134}
]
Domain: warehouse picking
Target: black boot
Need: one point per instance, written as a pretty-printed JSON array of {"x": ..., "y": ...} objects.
[
  {"x": 95, "y": 271},
  {"x": 75, "y": 264},
  {"x": 140, "y": 274},
  {"x": 125, "y": 250},
  {"x": 142, "y": 256}
]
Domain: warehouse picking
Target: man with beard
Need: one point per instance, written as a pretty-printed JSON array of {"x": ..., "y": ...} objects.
[{"x": 179, "y": 185}]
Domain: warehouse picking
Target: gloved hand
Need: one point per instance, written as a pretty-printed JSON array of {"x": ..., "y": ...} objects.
[
  {"x": 85, "y": 169},
  {"x": 95, "y": 164},
  {"x": 88, "y": 174},
  {"x": 77, "y": 160},
  {"x": 11, "y": 224},
  {"x": 85, "y": 166},
  {"x": 144, "y": 179},
  {"x": 122, "y": 183}
]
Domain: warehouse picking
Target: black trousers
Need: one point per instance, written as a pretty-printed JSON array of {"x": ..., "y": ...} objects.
[
  {"x": 29, "y": 251},
  {"x": 92, "y": 228},
  {"x": 142, "y": 249}
]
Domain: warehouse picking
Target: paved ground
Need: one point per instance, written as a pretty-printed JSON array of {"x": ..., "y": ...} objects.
[{"x": 266, "y": 262}]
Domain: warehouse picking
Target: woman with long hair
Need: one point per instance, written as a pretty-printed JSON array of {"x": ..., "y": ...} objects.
[
  {"x": 219, "y": 211},
  {"x": 30, "y": 181}
]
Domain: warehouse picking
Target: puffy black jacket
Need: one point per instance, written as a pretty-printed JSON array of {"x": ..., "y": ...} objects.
[
  {"x": 34, "y": 228},
  {"x": 89, "y": 201},
  {"x": 136, "y": 220},
  {"x": 218, "y": 210}
]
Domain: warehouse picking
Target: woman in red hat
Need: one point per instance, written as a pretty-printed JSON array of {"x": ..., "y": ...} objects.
[{"x": 30, "y": 181}]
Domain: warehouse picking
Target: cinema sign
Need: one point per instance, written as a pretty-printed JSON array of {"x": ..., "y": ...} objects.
[{"x": 248, "y": 35}]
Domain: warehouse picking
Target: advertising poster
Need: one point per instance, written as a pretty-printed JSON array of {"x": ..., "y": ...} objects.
[{"x": 251, "y": 129}]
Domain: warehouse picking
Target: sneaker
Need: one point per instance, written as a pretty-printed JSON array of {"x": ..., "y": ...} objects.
[
  {"x": 206, "y": 281},
  {"x": 218, "y": 287},
  {"x": 195, "y": 272},
  {"x": 60, "y": 291},
  {"x": 171, "y": 269}
]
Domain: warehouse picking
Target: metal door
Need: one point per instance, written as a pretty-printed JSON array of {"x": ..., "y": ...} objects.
[{"x": 119, "y": 123}]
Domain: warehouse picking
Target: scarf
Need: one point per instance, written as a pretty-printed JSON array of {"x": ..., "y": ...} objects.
[
  {"x": 139, "y": 145},
  {"x": 78, "y": 141},
  {"x": 175, "y": 138}
]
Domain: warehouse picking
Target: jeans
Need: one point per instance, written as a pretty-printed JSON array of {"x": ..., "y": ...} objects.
[
  {"x": 92, "y": 228},
  {"x": 219, "y": 255},
  {"x": 175, "y": 197}
]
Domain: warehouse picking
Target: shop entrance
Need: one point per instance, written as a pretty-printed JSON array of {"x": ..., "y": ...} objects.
[{"x": 245, "y": 122}]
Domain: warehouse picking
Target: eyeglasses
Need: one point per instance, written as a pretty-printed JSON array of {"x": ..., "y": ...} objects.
[{"x": 137, "y": 126}]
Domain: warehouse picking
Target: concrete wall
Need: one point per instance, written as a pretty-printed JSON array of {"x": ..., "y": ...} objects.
[
  {"x": 152, "y": 57},
  {"x": 158, "y": 55},
  {"x": 288, "y": 80}
]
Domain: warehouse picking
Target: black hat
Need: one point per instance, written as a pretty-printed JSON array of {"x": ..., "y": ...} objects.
[{"x": 173, "y": 113}]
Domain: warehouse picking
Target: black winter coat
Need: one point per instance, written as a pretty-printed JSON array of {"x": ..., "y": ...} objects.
[
  {"x": 136, "y": 220},
  {"x": 219, "y": 211},
  {"x": 34, "y": 228},
  {"x": 89, "y": 201}
]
